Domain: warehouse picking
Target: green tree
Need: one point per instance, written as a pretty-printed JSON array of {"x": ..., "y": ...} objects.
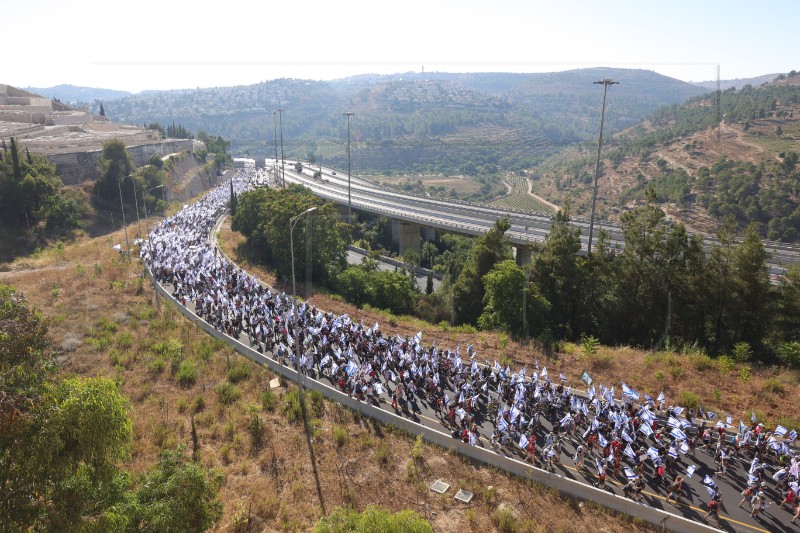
[
  {"x": 468, "y": 289},
  {"x": 28, "y": 188},
  {"x": 114, "y": 172},
  {"x": 556, "y": 271},
  {"x": 178, "y": 495},
  {"x": 263, "y": 215},
  {"x": 502, "y": 302},
  {"x": 102, "y": 110},
  {"x": 60, "y": 441}
]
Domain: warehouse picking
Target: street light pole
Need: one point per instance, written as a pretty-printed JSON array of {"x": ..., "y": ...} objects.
[
  {"x": 124, "y": 222},
  {"x": 524, "y": 294},
  {"x": 283, "y": 159},
  {"x": 605, "y": 83},
  {"x": 349, "y": 203},
  {"x": 136, "y": 203},
  {"x": 292, "y": 222},
  {"x": 275, "y": 124}
]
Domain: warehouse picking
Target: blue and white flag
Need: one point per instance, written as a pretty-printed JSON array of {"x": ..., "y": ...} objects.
[
  {"x": 502, "y": 425},
  {"x": 543, "y": 374},
  {"x": 690, "y": 470},
  {"x": 626, "y": 436},
  {"x": 646, "y": 429},
  {"x": 678, "y": 410},
  {"x": 793, "y": 434},
  {"x": 497, "y": 366},
  {"x": 711, "y": 492},
  {"x": 652, "y": 453},
  {"x": 378, "y": 388},
  {"x": 684, "y": 448},
  {"x": 742, "y": 427},
  {"x": 629, "y": 473},
  {"x": 629, "y": 452},
  {"x": 629, "y": 392},
  {"x": 673, "y": 453},
  {"x": 678, "y": 434},
  {"x": 523, "y": 441},
  {"x": 661, "y": 397},
  {"x": 711, "y": 415},
  {"x": 753, "y": 417},
  {"x": 600, "y": 469},
  {"x": 562, "y": 377},
  {"x": 351, "y": 367},
  {"x": 673, "y": 422},
  {"x": 709, "y": 482},
  {"x": 729, "y": 420},
  {"x": 602, "y": 440},
  {"x": 780, "y": 430}
]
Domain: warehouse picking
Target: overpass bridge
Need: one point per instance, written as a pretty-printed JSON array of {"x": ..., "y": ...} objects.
[{"x": 415, "y": 216}]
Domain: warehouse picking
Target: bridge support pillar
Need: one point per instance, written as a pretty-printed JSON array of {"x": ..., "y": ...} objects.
[
  {"x": 406, "y": 234},
  {"x": 522, "y": 255},
  {"x": 428, "y": 233}
]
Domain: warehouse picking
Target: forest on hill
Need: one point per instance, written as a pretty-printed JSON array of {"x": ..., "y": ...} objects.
[
  {"x": 475, "y": 124},
  {"x": 745, "y": 168}
]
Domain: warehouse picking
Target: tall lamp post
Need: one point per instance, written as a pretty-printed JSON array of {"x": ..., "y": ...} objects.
[
  {"x": 283, "y": 159},
  {"x": 524, "y": 293},
  {"x": 349, "y": 203},
  {"x": 275, "y": 124},
  {"x": 124, "y": 222},
  {"x": 605, "y": 83}
]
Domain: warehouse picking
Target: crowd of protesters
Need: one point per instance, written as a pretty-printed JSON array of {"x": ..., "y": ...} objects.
[{"x": 634, "y": 438}]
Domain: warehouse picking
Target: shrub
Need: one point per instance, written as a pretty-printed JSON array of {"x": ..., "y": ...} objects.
[
  {"x": 187, "y": 373},
  {"x": 741, "y": 352},
  {"x": 701, "y": 361},
  {"x": 291, "y": 407},
  {"x": 317, "y": 403},
  {"x": 689, "y": 399},
  {"x": 238, "y": 371},
  {"x": 199, "y": 403},
  {"x": 269, "y": 401},
  {"x": 789, "y": 353},
  {"x": 382, "y": 453},
  {"x": 339, "y": 436},
  {"x": 773, "y": 385},
  {"x": 505, "y": 520},
  {"x": 726, "y": 364},
  {"x": 744, "y": 374},
  {"x": 227, "y": 393},
  {"x": 157, "y": 366},
  {"x": 589, "y": 346},
  {"x": 124, "y": 340}
]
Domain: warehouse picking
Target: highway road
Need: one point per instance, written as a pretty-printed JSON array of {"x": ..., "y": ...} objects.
[
  {"x": 695, "y": 495},
  {"x": 472, "y": 219}
]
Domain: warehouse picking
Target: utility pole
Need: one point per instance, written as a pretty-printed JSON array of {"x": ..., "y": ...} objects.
[
  {"x": 605, "y": 83},
  {"x": 283, "y": 159},
  {"x": 275, "y": 124},
  {"x": 349, "y": 203},
  {"x": 124, "y": 222},
  {"x": 524, "y": 293}
]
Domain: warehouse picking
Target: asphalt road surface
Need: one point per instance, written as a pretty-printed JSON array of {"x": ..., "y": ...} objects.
[{"x": 695, "y": 495}]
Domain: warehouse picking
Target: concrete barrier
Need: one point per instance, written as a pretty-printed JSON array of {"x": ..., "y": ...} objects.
[{"x": 571, "y": 487}]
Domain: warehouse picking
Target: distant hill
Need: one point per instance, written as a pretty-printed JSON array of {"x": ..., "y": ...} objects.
[
  {"x": 737, "y": 83},
  {"x": 74, "y": 95},
  {"x": 474, "y": 124}
]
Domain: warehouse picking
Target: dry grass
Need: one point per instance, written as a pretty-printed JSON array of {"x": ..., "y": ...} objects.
[{"x": 103, "y": 322}]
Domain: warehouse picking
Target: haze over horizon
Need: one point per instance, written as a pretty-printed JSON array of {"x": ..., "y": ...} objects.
[{"x": 179, "y": 45}]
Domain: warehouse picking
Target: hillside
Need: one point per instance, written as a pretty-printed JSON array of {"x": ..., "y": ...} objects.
[
  {"x": 77, "y": 95},
  {"x": 439, "y": 122},
  {"x": 700, "y": 174}
]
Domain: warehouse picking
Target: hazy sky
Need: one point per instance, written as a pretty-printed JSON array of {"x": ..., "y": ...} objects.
[{"x": 172, "y": 44}]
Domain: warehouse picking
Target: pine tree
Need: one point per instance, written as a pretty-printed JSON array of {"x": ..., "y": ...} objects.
[
  {"x": 429, "y": 283},
  {"x": 102, "y": 110}
]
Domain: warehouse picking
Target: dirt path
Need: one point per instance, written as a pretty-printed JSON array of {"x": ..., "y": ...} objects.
[
  {"x": 20, "y": 272},
  {"x": 551, "y": 205}
]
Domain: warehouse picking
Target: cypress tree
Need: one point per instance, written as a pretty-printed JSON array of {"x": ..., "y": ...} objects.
[
  {"x": 102, "y": 110},
  {"x": 15, "y": 160}
]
